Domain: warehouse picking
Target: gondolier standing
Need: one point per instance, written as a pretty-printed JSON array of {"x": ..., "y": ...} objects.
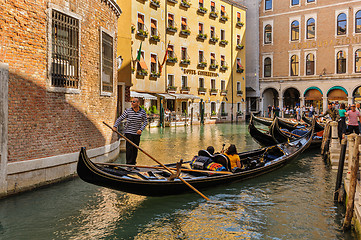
[{"x": 136, "y": 122}]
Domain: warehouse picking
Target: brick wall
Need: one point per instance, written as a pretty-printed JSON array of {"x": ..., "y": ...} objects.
[{"x": 43, "y": 123}]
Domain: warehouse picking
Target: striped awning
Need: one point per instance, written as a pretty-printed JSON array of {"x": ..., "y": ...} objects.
[
  {"x": 166, "y": 96},
  {"x": 142, "y": 95},
  {"x": 184, "y": 96}
]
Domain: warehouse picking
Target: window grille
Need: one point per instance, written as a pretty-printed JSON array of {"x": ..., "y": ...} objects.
[{"x": 65, "y": 51}]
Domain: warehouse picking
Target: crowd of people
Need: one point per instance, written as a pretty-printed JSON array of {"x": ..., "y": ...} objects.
[{"x": 295, "y": 112}]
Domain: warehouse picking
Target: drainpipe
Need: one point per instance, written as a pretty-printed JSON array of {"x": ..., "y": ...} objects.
[{"x": 232, "y": 72}]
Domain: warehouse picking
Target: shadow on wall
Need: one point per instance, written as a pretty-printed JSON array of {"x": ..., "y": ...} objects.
[{"x": 43, "y": 123}]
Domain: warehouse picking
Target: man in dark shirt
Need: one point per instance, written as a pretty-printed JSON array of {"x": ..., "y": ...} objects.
[
  {"x": 136, "y": 122},
  {"x": 332, "y": 112}
]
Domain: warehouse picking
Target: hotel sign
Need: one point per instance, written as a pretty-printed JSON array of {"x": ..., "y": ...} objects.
[
  {"x": 325, "y": 43},
  {"x": 202, "y": 73}
]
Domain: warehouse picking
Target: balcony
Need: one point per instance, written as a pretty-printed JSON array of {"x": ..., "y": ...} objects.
[
  {"x": 213, "y": 66},
  {"x": 223, "y": 42},
  {"x": 172, "y": 29},
  {"x": 202, "y": 10},
  {"x": 185, "y": 32},
  {"x": 185, "y": 4},
  {"x": 202, "y": 90},
  {"x": 202, "y": 64},
  {"x": 224, "y": 92},
  {"x": 142, "y": 72},
  {"x": 185, "y": 61},
  {"x": 155, "y": 38},
  {"x": 185, "y": 90},
  {"x": 223, "y": 68},
  {"x": 213, "y": 91},
  {"x": 223, "y": 18},
  {"x": 240, "y": 46},
  {"x": 173, "y": 1},
  {"x": 202, "y": 36},
  {"x": 142, "y": 33},
  {"x": 172, "y": 59},
  {"x": 240, "y": 70},
  {"x": 239, "y": 24},
  {"x": 239, "y": 92},
  {"x": 213, "y": 14},
  {"x": 155, "y": 3},
  {"x": 154, "y": 75},
  {"x": 224, "y": 114},
  {"x": 171, "y": 89},
  {"x": 213, "y": 39}
]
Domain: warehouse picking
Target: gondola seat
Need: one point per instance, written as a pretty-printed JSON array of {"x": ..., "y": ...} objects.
[{"x": 223, "y": 160}]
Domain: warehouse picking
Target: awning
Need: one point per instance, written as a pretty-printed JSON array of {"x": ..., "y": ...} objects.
[
  {"x": 337, "y": 94},
  {"x": 238, "y": 15},
  {"x": 213, "y": 57},
  {"x": 153, "y": 59},
  {"x": 142, "y": 64},
  {"x": 213, "y": 4},
  {"x": 184, "y": 21},
  {"x": 140, "y": 20},
  {"x": 166, "y": 96},
  {"x": 313, "y": 94},
  {"x": 170, "y": 16},
  {"x": 184, "y": 96},
  {"x": 142, "y": 95},
  {"x": 200, "y": 27},
  {"x": 152, "y": 24},
  {"x": 223, "y": 9}
]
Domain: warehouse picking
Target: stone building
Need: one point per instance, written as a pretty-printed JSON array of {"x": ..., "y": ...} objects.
[
  {"x": 58, "y": 83},
  {"x": 205, "y": 59},
  {"x": 309, "y": 52}
]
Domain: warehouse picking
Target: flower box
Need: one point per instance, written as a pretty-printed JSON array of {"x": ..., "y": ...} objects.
[
  {"x": 155, "y": 38},
  {"x": 202, "y": 10},
  {"x": 239, "y": 24},
  {"x": 213, "y": 39},
  {"x": 185, "y": 61},
  {"x": 142, "y": 33},
  {"x": 185, "y": 32},
  {"x": 172, "y": 60},
  {"x": 185, "y": 4},
  {"x": 213, "y": 91},
  {"x": 202, "y": 90},
  {"x": 224, "y": 92},
  {"x": 213, "y": 14},
  {"x": 172, "y": 29},
  {"x": 142, "y": 72},
  {"x": 185, "y": 89},
  {"x": 223, "y": 18},
  {"x": 155, "y": 3},
  {"x": 172, "y": 88},
  {"x": 202, "y": 64},
  {"x": 223, "y": 42},
  {"x": 223, "y": 68},
  {"x": 202, "y": 36},
  {"x": 240, "y": 46},
  {"x": 239, "y": 92},
  {"x": 155, "y": 75},
  {"x": 173, "y": 1},
  {"x": 240, "y": 70},
  {"x": 213, "y": 66}
]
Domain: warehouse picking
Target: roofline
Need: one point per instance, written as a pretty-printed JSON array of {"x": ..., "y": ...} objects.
[
  {"x": 114, "y": 6},
  {"x": 235, "y": 4}
]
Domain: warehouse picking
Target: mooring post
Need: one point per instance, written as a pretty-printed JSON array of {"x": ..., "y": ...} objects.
[
  {"x": 334, "y": 145},
  {"x": 340, "y": 168},
  {"x": 351, "y": 144},
  {"x": 353, "y": 182}
]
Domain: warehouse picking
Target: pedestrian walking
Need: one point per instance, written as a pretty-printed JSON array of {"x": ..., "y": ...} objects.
[
  {"x": 136, "y": 122},
  {"x": 353, "y": 118},
  {"x": 358, "y": 109}
]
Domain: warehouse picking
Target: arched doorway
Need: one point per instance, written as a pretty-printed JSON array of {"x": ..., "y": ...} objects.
[
  {"x": 357, "y": 95},
  {"x": 313, "y": 96},
  {"x": 291, "y": 98},
  {"x": 338, "y": 94},
  {"x": 270, "y": 97}
]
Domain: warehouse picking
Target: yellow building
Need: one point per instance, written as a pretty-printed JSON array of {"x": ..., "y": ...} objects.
[{"x": 201, "y": 44}]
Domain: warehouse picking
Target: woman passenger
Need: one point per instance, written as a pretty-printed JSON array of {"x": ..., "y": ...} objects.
[{"x": 234, "y": 159}]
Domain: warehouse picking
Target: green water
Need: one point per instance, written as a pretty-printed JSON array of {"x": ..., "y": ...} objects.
[{"x": 294, "y": 202}]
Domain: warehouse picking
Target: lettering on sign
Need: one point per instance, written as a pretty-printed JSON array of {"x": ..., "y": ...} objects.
[
  {"x": 325, "y": 43},
  {"x": 202, "y": 73}
]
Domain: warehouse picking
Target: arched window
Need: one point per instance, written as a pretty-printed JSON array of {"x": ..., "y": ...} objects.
[
  {"x": 268, "y": 34},
  {"x": 341, "y": 62},
  {"x": 294, "y": 65},
  {"x": 358, "y": 22},
  {"x": 310, "y": 64},
  {"x": 267, "y": 67},
  {"x": 295, "y": 30},
  {"x": 341, "y": 24},
  {"x": 311, "y": 27},
  {"x": 358, "y": 61}
]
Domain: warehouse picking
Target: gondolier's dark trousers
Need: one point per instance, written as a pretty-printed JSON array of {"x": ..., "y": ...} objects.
[{"x": 131, "y": 151}]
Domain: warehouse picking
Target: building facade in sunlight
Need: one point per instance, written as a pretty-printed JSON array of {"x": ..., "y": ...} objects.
[
  {"x": 58, "y": 83},
  {"x": 309, "y": 52},
  {"x": 185, "y": 52}
]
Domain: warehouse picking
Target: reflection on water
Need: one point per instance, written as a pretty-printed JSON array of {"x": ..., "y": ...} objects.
[{"x": 294, "y": 202}]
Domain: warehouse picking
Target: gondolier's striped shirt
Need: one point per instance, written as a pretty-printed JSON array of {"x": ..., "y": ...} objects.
[{"x": 135, "y": 120}]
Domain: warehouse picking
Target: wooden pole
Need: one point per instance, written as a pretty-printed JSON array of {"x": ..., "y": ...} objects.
[
  {"x": 341, "y": 163},
  {"x": 353, "y": 182},
  {"x": 154, "y": 167},
  {"x": 165, "y": 167}
]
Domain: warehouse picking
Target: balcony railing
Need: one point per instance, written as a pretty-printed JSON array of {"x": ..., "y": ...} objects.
[
  {"x": 202, "y": 90},
  {"x": 224, "y": 114},
  {"x": 223, "y": 18},
  {"x": 155, "y": 75},
  {"x": 239, "y": 92},
  {"x": 213, "y": 91},
  {"x": 223, "y": 68},
  {"x": 224, "y": 92},
  {"x": 155, "y": 38}
]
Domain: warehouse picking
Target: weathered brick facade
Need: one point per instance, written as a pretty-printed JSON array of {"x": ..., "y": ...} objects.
[{"x": 44, "y": 122}]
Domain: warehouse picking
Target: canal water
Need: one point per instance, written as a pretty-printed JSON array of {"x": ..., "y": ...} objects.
[{"x": 293, "y": 202}]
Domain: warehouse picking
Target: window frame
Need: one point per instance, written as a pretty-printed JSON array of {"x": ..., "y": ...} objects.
[
  {"x": 143, "y": 28},
  {"x": 265, "y": 35},
  {"x": 299, "y": 31},
  {"x": 265, "y": 5},
  {"x": 201, "y": 24},
  {"x": 314, "y": 63},
  {"x": 290, "y": 54},
  {"x": 264, "y": 67},
  {"x": 156, "y": 29},
  {"x": 173, "y": 80},
  {"x": 293, "y": 4},
  {"x": 337, "y": 61},
  {"x": 357, "y": 10},
  {"x": 307, "y": 28},
  {"x": 337, "y": 24},
  {"x": 156, "y": 62}
]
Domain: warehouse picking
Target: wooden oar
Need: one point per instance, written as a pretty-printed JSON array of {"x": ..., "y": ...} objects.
[
  {"x": 154, "y": 167},
  {"x": 165, "y": 167}
]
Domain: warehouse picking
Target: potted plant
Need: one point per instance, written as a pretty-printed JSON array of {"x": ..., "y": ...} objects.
[
  {"x": 213, "y": 66},
  {"x": 185, "y": 4},
  {"x": 202, "y": 64},
  {"x": 240, "y": 70},
  {"x": 202, "y": 10},
  {"x": 155, "y": 3},
  {"x": 185, "y": 32},
  {"x": 202, "y": 36},
  {"x": 240, "y": 24},
  {"x": 142, "y": 33},
  {"x": 213, "y": 39},
  {"x": 172, "y": 59},
  {"x": 213, "y": 14},
  {"x": 171, "y": 28},
  {"x": 223, "y": 42},
  {"x": 240, "y": 46}
]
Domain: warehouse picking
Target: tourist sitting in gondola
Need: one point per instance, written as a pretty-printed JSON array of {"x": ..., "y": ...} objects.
[{"x": 234, "y": 159}]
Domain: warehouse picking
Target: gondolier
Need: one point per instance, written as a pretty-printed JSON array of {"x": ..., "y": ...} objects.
[{"x": 136, "y": 122}]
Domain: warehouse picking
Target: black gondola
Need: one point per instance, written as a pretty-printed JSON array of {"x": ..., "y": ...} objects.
[
  {"x": 318, "y": 127},
  {"x": 261, "y": 137},
  {"x": 150, "y": 182},
  {"x": 282, "y": 123}
]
